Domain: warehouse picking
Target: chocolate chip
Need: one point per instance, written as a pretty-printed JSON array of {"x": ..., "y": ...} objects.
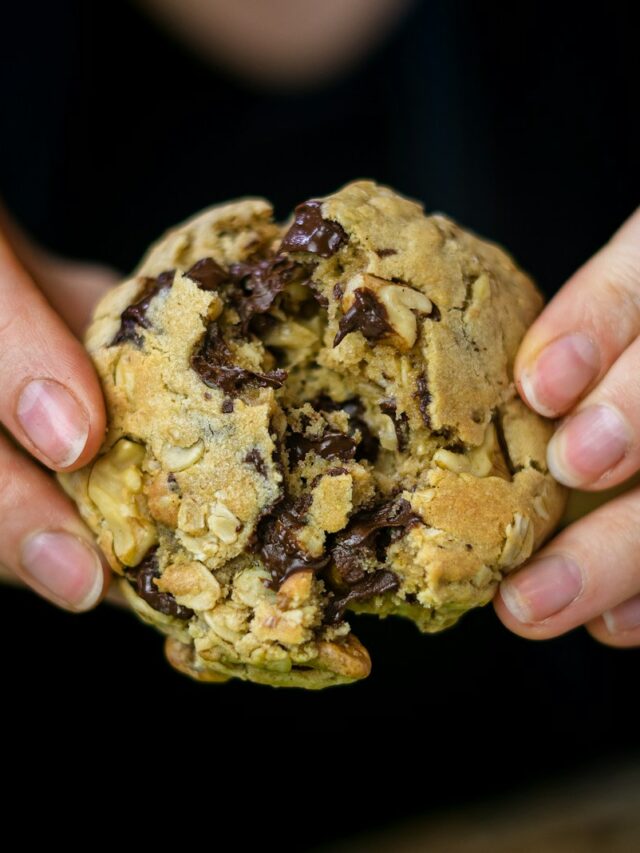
[
  {"x": 372, "y": 584},
  {"x": 366, "y": 315},
  {"x": 207, "y": 274},
  {"x": 423, "y": 395},
  {"x": 331, "y": 443},
  {"x": 400, "y": 422},
  {"x": 260, "y": 282},
  {"x": 311, "y": 233},
  {"x": 358, "y": 543},
  {"x": 254, "y": 457},
  {"x": 227, "y": 406},
  {"x": 212, "y": 361},
  {"x": 384, "y": 253},
  {"x": 279, "y": 548},
  {"x": 142, "y": 578},
  {"x": 136, "y": 314}
]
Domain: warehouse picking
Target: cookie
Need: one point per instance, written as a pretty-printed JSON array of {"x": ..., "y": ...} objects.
[{"x": 312, "y": 419}]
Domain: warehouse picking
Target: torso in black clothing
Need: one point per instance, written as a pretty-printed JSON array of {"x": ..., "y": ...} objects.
[{"x": 523, "y": 125}]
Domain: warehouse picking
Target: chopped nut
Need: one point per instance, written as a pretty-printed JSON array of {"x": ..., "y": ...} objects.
[
  {"x": 124, "y": 377},
  {"x": 192, "y": 585},
  {"x": 348, "y": 658},
  {"x": 223, "y": 523},
  {"x": 290, "y": 334},
  {"x": 178, "y": 458},
  {"x": 519, "y": 542},
  {"x": 191, "y": 517},
  {"x": 295, "y": 590},
  {"x": 114, "y": 486},
  {"x": 478, "y": 461},
  {"x": 181, "y": 657}
]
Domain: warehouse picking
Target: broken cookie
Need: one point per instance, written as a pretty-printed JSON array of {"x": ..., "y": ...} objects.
[{"x": 312, "y": 419}]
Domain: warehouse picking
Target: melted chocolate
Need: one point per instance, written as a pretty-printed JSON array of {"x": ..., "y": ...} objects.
[
  {"x": 254, "y": 457},
  {"x": 279, "y": 548},
  {"x": 208, "y": 274},
  {"x": 331, "y": 443},
  {"x": 260, "y": 282},
  {"x": 359, "y": 540},
  {"x": 366, "y": 315},
  {"x": 400, "y": 422},
  {"x": 423, "y": 395},
  {"x": 141, "y": 577},
  {"x": 369, "y": 445},
  {"x": 136, "y": 314},
  {"x": 212, "y": 362},
  {"x": 372, "y": 584},
  {"x": 311, "y": 233}
]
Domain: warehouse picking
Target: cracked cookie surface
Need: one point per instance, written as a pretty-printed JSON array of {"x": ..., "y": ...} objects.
[{"x": 312, "y": 419}]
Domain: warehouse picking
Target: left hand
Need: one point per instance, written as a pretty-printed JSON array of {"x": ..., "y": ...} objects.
[{"x": 581, "y": 359}]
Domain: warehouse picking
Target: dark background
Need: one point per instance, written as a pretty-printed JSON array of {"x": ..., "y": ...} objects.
[{"x": 522, "y": 123}]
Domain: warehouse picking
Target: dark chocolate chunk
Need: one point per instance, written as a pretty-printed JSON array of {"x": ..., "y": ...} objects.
[
  {"x": 278, "y": 545},
  {"x": 423, "y": 395},
  {"x": 366, "y": 315},
  {"x": 254, "y": 457},
  {"x": 368, "y": 445},
  {"x": 260, "y": 282},
  {"x": 208, "y": 274},
  {"x": 372, "y": 584},
  {"x": 400, "y": 422},
  {"x": 212, "y": 362},
  {"x": 384, "y": 253},
  {"x": 141, "y": 578},
  {"x": 331, "y": 443},
  {"x": 136, "y": 314},
  {"x": 311, "y": 233},
  {"x": 358, "y": 542},
  {"x": 227, "y": 406}
]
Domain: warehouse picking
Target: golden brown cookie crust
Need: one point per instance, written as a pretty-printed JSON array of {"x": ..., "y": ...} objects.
[{"x": 319, "y": 417}]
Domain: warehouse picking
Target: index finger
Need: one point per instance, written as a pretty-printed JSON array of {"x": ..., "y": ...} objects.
[{"x": 584, "y": 328}]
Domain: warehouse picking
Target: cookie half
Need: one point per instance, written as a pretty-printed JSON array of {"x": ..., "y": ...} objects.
[{"x": 312, "y": 419}]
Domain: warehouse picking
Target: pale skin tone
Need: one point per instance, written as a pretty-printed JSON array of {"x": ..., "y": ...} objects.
[{"x": 580, "y": 361}]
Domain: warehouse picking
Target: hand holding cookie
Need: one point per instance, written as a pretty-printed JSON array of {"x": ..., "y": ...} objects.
[
  {"x": 580, "y": 360},
  {"x": 52, "y": 406}
]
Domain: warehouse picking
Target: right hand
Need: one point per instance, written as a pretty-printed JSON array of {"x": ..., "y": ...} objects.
[{"x": 52, "y": 406}]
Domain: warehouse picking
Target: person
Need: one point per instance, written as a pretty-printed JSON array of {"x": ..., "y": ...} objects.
[{"x": 577, "y": 362}]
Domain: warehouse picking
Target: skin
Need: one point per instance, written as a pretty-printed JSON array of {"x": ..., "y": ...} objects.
[{"x": 589, "y": 574}]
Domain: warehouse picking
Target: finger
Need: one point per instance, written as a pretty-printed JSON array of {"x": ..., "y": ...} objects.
[
  {"x": 51, "y": 398},
  {"x": 619, "y": 627},
  {"x": 72, "y": 289},
  {"x": 588, "y": 569},
  {"x": 584, "y": 328},
  {"x": 42, "y": 541},
  {"x": 598, "y": 446}
]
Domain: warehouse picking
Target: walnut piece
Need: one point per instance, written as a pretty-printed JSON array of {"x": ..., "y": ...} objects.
[{"x": 115, "y": 486}]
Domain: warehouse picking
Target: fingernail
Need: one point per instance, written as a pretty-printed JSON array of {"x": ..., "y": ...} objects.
[
  {"x": 64, "y": 568},
  {"x": 624, "y": 617},
  {"x": 560, "y": 374},
  {"x": 588, "y": 445},
  {"x": 54, "y": 421},
  {"x": 545, "y": 587}
]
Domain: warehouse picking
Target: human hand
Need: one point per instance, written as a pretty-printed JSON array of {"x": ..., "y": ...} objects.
[
  {"x": 52, "y": 406},
  {"x": 581, "y": 359}
]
